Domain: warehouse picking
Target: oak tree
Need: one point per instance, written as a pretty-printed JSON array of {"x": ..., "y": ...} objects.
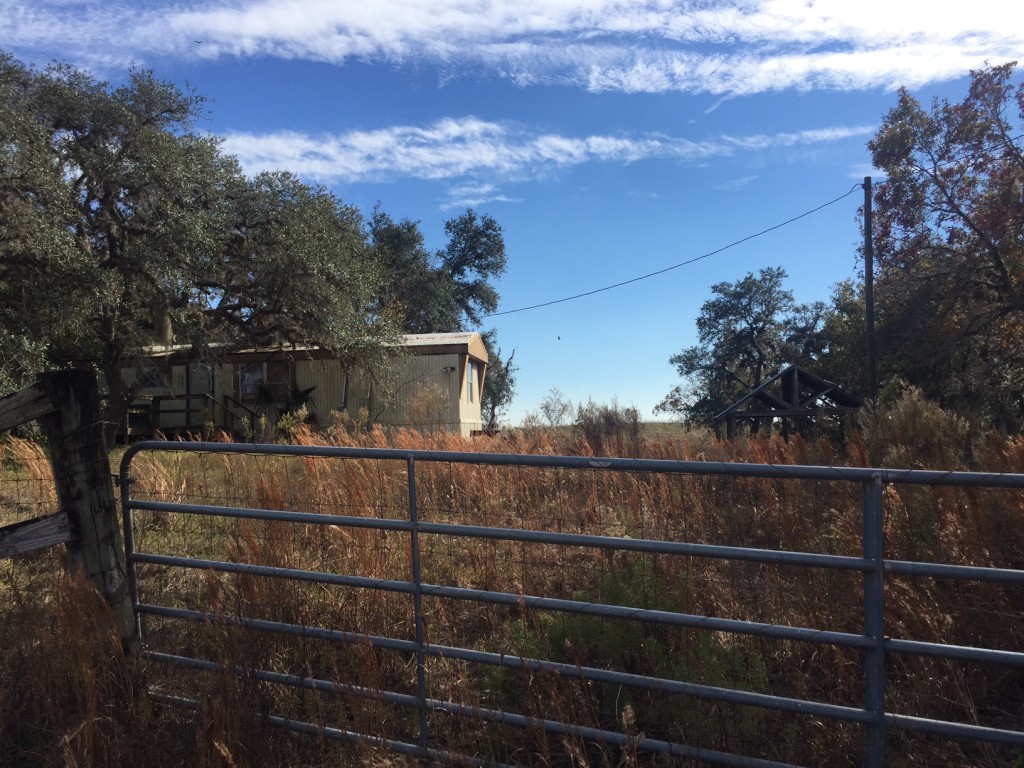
[
  {"x": 949, "y": 246},
  {"x": 119, "y": 221},
  {"x": 445, "y": 291},
  {"x": 746, "y": 332},
  {"x": 499, "y": 383}
]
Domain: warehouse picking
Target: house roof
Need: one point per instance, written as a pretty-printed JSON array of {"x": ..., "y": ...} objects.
[
  {"x": 793, "y": 391},
  {"x": 468, "y": 342},
  {"x": 440, "y": 343},
  {"x": 419, "y": 339}
]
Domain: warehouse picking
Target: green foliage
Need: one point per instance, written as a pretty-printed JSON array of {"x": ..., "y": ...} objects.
[
  {"x": 643, "y": 648},
  {"x": 120, "y": 225},
  {"x": 440, "y": 292},
  {"x": 474, "y": 255},
  {"x": 949, "y": 246},
  {"x": 844, "y": 358},
  {"x": 296, "y": 269},
  {"x": 20, "y": 359},
  {"x": 290, "y": 422},
  {"x": 415, "y": 290},
  {"x": 499, "y": 382},
  {"x": 746, "y": 333},
  {"x": 108, "y": 208}
]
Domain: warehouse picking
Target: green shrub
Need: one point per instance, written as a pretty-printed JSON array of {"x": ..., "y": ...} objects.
[{"x": 640, "y": 648}]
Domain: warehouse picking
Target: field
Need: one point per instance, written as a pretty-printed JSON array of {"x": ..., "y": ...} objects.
[{"x": 64, "y": 686}]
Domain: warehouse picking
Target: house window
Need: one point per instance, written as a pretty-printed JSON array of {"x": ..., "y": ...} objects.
[
  {"x": 265, "y": 382},
  {"x": 469, "y": 381},
  {"x": 153, "y": 375}
]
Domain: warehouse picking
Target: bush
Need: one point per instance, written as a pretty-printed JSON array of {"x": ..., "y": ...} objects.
[
  {"x": 609, "y": 428},
  {"x": 911, "y": 431}
]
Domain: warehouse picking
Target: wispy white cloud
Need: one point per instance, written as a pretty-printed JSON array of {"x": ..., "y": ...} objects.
[
  {"x": 730, "y": 47},
  {"x": 760, "y": 141},
  {"x": 734, "y": 184},
  {"x": 476, "y": 155},
  {"x": 474, "y": 195}
]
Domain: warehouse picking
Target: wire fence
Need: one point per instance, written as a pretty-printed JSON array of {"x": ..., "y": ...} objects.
[
  {"x": 26, "y": 492},
  {"x": 26, "y": 481},
  {"x": 501, "y": 609}
]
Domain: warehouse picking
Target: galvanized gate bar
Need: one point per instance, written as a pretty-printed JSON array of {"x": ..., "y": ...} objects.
[
  {"x": 277, "y": 572},
  {"x": 957, "y": 730},
  {"x": 945, "y": 571},
  {"x": 660, "y": 466},
  {"x": 417, "y": 598},
  {"x": 265, "y": 625},
  {"x": 874, "y": 624},
  {"x": 575, "y": 671},
  {"x": 535, "y": 602},
  {"x": 652, "y": 546},
  {"x": 872, "y": 565},
  {"x": 283, "y": 516},
  {"x": 958, "y": 652}
]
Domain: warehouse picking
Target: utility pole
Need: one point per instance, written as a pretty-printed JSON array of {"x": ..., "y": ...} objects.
[{"x": 869, "y": 289}]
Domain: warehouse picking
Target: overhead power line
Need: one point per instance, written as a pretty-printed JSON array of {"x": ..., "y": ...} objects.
[{"x": 649, "y": 275}]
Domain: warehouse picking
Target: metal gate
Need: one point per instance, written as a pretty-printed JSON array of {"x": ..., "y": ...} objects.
[{"x": 456, "y": 580}]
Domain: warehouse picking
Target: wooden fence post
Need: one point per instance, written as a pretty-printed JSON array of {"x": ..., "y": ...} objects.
[{"x": 85, "y": 493}]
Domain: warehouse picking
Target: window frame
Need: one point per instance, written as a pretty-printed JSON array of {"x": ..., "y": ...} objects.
[{"x": 256, "y": 377}]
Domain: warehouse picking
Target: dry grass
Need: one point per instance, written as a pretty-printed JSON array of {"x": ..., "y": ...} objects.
[{"x": 942, "y": 525}]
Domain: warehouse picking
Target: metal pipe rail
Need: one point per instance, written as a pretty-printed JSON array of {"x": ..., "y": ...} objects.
[{"x": 874, "y": 568}]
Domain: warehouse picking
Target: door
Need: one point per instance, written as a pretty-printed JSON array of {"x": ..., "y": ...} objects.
[{"x": 199, "y": 403}]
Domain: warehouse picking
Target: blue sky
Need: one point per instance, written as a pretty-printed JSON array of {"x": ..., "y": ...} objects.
[{"x": 609, "y": 139}]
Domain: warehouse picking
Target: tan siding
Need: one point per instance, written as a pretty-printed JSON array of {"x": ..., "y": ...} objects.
[
  {"x": 328, "y": 380},
  {"x": 424, "y": 396},
  {"x": 423, "y": 393}
]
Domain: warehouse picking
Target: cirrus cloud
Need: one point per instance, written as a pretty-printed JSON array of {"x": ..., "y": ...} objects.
[
  {"x": 474, "y": 154},
  {"x": 732, "y": 47}
]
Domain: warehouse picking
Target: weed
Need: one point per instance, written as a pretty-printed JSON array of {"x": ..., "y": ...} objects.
[{"x": 57, "y": 694}]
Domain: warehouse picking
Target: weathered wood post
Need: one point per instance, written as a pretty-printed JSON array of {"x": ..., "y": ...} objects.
[{"x": 67, "y": 406}]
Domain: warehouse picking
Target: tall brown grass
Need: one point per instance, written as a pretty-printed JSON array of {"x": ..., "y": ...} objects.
[{"x": 942, "y": 525}]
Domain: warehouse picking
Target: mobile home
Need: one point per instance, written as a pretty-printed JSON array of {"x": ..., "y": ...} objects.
[{"x": 434, "y": 381}]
